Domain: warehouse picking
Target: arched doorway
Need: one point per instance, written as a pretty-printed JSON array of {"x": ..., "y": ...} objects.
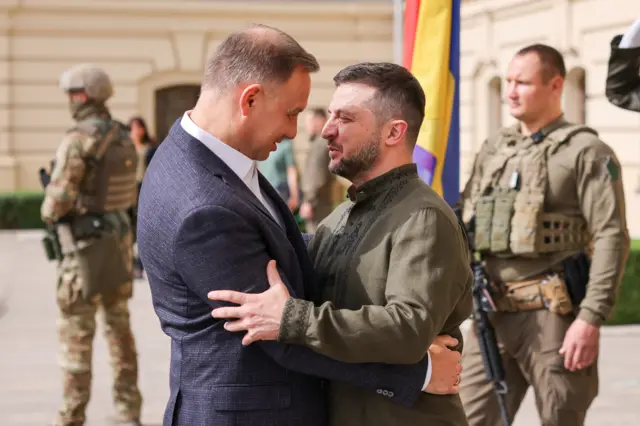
[
  {"x": 171, "y": 102},
  {"x": 575, "y": 96}
]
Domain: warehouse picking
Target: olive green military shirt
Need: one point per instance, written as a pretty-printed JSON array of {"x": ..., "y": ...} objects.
[
  {"x": 395, "y": 269},
  {"x": 584, "y": 179},
  {"x": 317, "y": 180}
]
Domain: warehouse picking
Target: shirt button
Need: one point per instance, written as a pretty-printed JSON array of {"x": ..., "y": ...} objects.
[
  {"x": 385, "y": 393},
  {"x": 391, "y": 394},
  {"x": 379, "y": 391}
]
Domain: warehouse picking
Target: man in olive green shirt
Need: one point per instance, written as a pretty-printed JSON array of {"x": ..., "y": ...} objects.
[
  {"x": 281, "y": 172},
  {"x": 569, "y": 203},
  {"x": 393, "y": 259},
  {"x": 317, "y": 180}
]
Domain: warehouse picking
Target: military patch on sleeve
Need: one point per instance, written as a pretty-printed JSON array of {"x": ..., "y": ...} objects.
[{"x": 612, "y": 168}]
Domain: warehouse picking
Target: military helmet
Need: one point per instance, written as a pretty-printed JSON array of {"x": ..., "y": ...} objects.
[{"x": 88, "y": 78}]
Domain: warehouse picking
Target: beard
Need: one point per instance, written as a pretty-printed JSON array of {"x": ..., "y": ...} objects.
[{"x": 361, "y": 161}]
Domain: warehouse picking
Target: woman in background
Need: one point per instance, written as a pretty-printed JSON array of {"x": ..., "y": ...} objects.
[{"x": 146, "y": 147}]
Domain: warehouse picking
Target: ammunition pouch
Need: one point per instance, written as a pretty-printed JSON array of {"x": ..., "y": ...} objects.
[
  {"x": 510, "y": 223},
  {"x": 527, "y": 237},
  {"x": 546, "y": 292},
  {"x": 504, "y": 200},
  {"x": 103, "y": 265}
]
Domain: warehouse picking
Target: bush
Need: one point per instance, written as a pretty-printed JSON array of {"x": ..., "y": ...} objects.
[
  {"x": 627, "y": 309},
  {"x": 21, "y": 210}
]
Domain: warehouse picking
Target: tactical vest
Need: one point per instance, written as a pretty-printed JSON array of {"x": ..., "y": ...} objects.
[
  {"x": 111, "y": 161},
  {"x": 510, "y": 220}
]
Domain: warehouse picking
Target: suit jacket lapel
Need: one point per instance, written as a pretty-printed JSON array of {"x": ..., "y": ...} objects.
[
  {"x": 293, "y": 234},
  {"x": 250, "y": 196},
  {"x": 234, "y": 182},
  {"x": 217, "y": 167},
  {"x": 287, "y": 217}
]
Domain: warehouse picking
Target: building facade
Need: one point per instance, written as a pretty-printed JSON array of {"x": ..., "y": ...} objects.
[
  {"x": 155, "y": 52},
  {"x": 494, "y": 30}
]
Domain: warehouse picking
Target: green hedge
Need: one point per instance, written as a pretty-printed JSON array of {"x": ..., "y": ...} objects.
[
  {"x": 627, "y": 310},
  {"x": 21, "y": 210}
]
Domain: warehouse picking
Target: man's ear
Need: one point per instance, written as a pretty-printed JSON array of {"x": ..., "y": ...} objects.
[
  {"x": 557, "y": 84},
  {"x": 248, "y": 98},
  {"x": 396, "y": 131}
]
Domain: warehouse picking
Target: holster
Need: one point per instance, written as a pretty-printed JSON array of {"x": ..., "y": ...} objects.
[
  {"x": 102, "y": 264},
  {"x": 576, "y": 273},
  {"x": 51, "y": 244},
  {"x": 546, "y": 292}
]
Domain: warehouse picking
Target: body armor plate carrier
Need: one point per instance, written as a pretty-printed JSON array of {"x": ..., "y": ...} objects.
[{"x": 511, "y": 220}]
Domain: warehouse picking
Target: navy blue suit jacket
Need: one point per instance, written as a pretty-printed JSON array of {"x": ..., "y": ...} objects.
[{"x": 200, "y": 228}]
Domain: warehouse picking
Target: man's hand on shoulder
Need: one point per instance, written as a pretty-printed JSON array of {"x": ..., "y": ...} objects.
[
  {"x": 445, "y": 367},
  {"x": 259, "y": 314}
]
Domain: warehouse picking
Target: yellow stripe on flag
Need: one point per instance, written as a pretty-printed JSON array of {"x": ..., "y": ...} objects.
[{"x": 430, "y": 65}]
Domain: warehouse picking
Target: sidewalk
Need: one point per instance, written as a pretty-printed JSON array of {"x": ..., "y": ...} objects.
[{"x": 30, "y": 386}]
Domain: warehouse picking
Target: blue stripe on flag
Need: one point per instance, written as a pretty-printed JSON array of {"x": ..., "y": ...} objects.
[{"x": 451, "y": 170}]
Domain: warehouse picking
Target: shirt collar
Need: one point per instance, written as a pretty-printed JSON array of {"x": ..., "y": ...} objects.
[
  {"x": 382, "y": 183},
  {"x": 545, "y": 130},
  {"x": 241, "y": 165}
]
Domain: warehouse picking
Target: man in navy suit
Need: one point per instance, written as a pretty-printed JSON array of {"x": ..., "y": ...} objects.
[{"x": 208, "y": 220}]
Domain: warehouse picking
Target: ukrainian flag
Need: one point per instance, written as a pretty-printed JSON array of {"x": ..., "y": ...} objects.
[{"x": 431, "y": 52}]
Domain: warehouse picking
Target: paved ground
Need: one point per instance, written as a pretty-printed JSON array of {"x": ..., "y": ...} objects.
[{"x": 30, "y": 380}]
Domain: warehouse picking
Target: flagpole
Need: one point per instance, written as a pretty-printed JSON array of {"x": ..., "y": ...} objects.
[{"x": 398, "y": 30}]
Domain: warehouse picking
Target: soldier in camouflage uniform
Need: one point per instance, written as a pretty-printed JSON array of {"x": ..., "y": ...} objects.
[
  {"x": 93, "y": 183},
  {"x": 546, "y": 200}
]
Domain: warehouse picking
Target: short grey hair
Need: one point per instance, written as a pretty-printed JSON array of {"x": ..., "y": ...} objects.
[{"x": 259, "y": 54}]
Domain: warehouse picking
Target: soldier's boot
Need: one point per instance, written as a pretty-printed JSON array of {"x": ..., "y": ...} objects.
[{"x": 124, "y": 362}]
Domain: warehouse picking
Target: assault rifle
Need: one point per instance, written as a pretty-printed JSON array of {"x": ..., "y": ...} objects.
[
  {"x": 50, "y": 241},
  {"x": 482, "y": 304}
]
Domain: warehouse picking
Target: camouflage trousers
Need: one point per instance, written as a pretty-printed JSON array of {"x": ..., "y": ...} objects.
[{"x": 76, "y": 327}]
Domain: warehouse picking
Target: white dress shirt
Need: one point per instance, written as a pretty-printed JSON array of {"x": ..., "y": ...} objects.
[
  {"x": 247, "y": 171},
  {"x": 243, "y": 166}
]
